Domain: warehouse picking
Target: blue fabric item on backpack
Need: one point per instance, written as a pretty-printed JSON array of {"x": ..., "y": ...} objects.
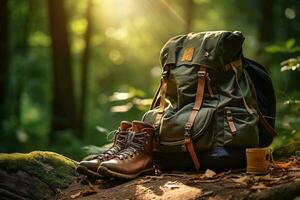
[
  {"x": 222, "y": 159},
  {"x": 265, "y": 96}
]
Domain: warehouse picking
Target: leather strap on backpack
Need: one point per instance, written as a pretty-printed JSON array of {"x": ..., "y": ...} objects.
[
  {"x": 188, "y": 126},
  {"x": 163, "y": 92}
]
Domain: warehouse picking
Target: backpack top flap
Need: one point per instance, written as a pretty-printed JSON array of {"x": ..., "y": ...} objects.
[{"x": 212, "y": 49}]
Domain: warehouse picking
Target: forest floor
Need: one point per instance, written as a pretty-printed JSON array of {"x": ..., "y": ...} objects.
[{"x": 281, "y": 182}]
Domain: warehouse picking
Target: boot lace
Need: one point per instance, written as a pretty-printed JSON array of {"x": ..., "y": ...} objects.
[
  {"x": 136, "y": 143},
  {"x": 120, "y": 143}
]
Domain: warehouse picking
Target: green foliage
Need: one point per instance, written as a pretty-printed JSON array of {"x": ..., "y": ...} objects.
[
  {"x": 288, "y": 108},
  {"x": 288, "y": 47},
  {"x": 67, "y": 144},
  {"x": 54, "y": 169},
  {"x": 290, "y": 64},
  {"x": 124, "y": 68},
  {"x": 288, "y": 122}
]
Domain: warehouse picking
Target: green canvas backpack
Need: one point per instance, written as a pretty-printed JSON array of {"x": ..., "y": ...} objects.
[{"x": 205, "y": 98}]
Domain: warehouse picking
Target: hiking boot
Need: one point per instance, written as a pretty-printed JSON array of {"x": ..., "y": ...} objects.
[
  {"x": 137, "y": 158},
  {"x": 89, "y": 167}
]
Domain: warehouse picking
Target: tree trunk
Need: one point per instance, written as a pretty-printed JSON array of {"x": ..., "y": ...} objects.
[
  {"x": 84, "y": 71},
  {"x": 190, "y": 7},
  {"x": 63, "y": 103},
  {"x": 265, "y": 30},
  {"x": 22, "y": 50},
  {"x": 266, "y": 26},
  {"x": 4, "y": 63}
]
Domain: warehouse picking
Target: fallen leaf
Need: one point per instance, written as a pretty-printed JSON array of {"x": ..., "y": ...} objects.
[
  {"x": 84, "y": 193},
  {"x": 294, "y": 169},
  {"x": 209, "y": 174},
  {"x": 171, "y": 185},
  {"x": 287, "y": 177},
  {"x": 74, "y": 196},
  {"x": 268, "y": 177},
  {"x": 205, "y": 194},
  {"x": 260, "y": 186},
  {"x": 242, "y": 180},
  {"x": 89, "y": 192},
  {"x": 282, "y": 165}
]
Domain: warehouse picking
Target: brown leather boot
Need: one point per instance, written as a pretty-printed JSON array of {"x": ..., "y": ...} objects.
[
  {"x": 89, "y": 167},
  {"x": 137, "y": 158}
]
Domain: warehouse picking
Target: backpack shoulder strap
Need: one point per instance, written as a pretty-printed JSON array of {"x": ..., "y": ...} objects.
[{"x": 188, "y": 126}]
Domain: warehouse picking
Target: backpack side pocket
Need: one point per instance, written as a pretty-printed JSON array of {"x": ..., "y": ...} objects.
[{"x": 240, "y": 128}]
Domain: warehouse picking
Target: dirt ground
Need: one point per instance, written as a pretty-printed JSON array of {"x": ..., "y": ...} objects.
[{"x": 282, "y": 182}]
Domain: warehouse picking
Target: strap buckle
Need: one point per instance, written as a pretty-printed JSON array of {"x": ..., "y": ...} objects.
[
  {"x": 187, "y": 135},
  {"x": 229, "y": 115},
  {"x": 165, "y": 74},
  {"x": 188, "y": 126},
  {"x": 201, "y": 73}
]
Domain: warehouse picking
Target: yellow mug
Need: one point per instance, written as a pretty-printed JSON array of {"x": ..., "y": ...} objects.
[{"x": 258, "y": 160}]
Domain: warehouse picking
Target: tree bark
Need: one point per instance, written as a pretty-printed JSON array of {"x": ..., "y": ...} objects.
[
  {"x": 266, "y": 26},
  {"x": 84, "y": 71},
  {"x": 265, "y": 29},
  {"x": 22, "y": 50},
  {"x": 63, "y": 103},
  {"x": 4, "y": 63},
  {"x": 190, "y": 7}
]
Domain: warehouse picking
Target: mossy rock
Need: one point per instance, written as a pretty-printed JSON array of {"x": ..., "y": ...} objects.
[{"x": 51, "y": 171}]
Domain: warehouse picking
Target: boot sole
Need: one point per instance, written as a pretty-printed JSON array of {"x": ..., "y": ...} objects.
[
  {"x": 108, "y": 173},
  {"x": 87, "y": 172}
]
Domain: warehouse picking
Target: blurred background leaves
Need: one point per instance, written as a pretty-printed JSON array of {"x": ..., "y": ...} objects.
[{"x": 71, "y": 70}]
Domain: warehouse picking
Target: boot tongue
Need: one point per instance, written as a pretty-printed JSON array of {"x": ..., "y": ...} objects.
[
  {"x": 137, "y": 126},
  {"x": 125, "y": 125},
  {"x": 120, "y": 138}
]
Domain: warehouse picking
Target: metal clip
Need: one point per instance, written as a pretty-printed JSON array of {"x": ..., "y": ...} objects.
[
  {"x": 229, "y": 115},
  {"x": 187, "y": 134},
  {"x": 188, "y": 126},
  {"x": 201, "y": 74},
  {"x": 165, "y": 74}
]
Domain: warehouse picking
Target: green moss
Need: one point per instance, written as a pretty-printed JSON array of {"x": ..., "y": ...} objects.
[{"x": 55, "y": 170}]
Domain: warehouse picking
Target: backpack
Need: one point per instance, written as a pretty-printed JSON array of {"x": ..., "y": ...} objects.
[{"x": 206, "y": 98}]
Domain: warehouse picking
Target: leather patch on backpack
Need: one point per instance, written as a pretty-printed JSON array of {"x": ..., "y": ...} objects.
[{"x": 188, "y": 54}]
